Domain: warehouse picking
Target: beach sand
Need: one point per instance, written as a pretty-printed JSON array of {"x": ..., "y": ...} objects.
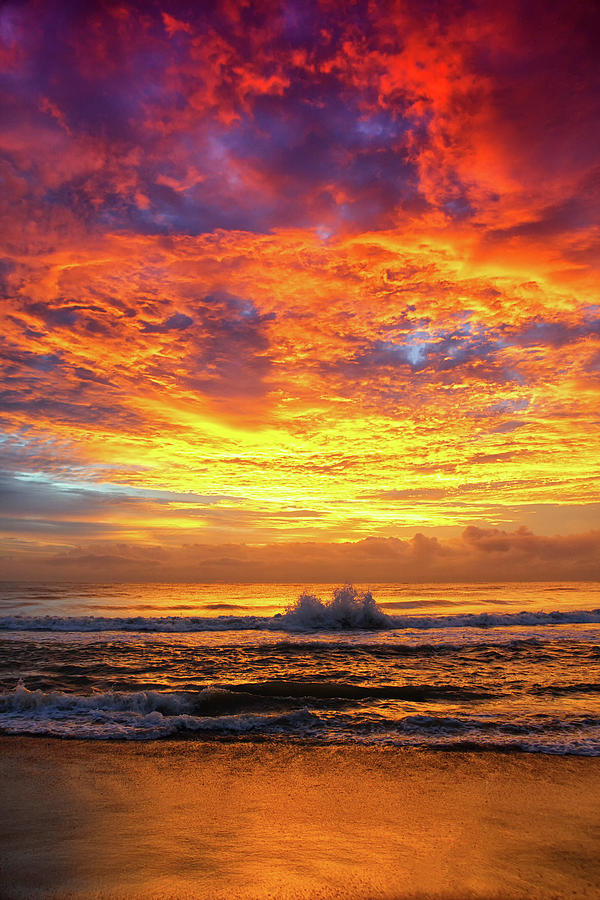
[{"x": 191, "y": 819}]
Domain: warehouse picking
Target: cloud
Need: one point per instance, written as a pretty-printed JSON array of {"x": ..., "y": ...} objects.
[
  {"x": 162, "y": 124},
  {"x": 478, "y": 555},
  {"x": 339, "y": 261},
  {"x": 229, "y": 345},
  {"x": 176, "y": 322},
  {"x": 27, "y": 500},
  {"x": 230, "y": 356}
]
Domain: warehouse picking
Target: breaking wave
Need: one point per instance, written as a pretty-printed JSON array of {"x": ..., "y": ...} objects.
[
  {"x": 348, "y": 610},
  {"x": 336, "y": 670},
  {"x": 139, "y": 715},
  {"x": 151, "y": 715}
]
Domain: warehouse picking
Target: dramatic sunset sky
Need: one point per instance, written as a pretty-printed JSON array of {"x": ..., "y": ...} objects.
[{"x": 300, "y": 290}]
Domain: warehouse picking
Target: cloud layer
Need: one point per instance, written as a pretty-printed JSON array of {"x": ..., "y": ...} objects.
[
  {"x": 334, "y": 267},
  {"x": 484, "y": 555}
]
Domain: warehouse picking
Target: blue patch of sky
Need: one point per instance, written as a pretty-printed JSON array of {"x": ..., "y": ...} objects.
[{"x": 111, "y": 489}]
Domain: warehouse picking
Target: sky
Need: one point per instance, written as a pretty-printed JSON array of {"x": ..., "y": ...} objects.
[{"x": 300, "y": 290}]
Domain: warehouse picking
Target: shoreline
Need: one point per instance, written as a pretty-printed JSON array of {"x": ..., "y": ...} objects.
[
  {"x": 300, "y": 743},
  {"x": 190, "y": 818}
]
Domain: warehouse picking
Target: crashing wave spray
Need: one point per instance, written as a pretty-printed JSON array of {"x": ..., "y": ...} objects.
[{"x": 347, "y": 609}]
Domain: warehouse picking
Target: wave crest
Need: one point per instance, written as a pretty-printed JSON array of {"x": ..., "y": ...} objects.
[
  {"x": 347, "y": 609},
  {"x": 138, "y": 715}
]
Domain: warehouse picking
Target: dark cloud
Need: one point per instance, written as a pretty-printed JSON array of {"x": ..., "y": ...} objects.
[
  {"x": 141, "y": 107},
  {"x": 471, "y": 350},
  {"x": 75, "y": 411},
  {"x": 524, "y": 543},
  {"x": 574, "y": 214},
  {"x": 54, "y": 316},
  {"x": 17, "y": 359},
  {"x": 509, "y": 427},
  {"x": 176, "y": 322},
  {"x": 229, "y": 356},
  {"x": 25, "y": 499},
  {"x": 7, "y": 266},
  {"x": 503, "y": 456},
  {"x": 432, "y": 355},
  {"x": 551, "y": 333}
]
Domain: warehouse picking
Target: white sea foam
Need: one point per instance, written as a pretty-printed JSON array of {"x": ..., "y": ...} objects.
[
  {"x": 309, "y": 614},
  {"x": 347, "y": 609},
  {"x": 138, "y": 715},
  {"x": 149, "y": 715}
]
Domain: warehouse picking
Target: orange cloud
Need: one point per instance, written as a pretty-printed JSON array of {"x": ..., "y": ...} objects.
[{"x": 477, "y": 555}]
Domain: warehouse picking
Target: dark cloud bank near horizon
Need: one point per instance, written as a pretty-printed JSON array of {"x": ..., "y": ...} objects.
[{"x": 478, "y": 554}]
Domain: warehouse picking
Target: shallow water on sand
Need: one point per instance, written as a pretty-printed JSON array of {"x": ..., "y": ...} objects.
[
  {"x": 179, "y": 819},
  {"x": 480, "y": 667}
]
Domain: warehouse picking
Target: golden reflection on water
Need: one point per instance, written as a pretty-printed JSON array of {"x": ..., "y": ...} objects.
[
  {"x": 210, "y": 600},
  {"x": 202, "y": 820}
]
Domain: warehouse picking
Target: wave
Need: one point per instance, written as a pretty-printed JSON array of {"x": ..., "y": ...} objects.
[
  {"x": 162, "y": 624},
  {"x": 557, "y": 690},
  {"x": 523, "y": 645},
  {"x": 287, "y": 623},
  {"x": 214, "y": 699},
  {"x": 151, "y": 715},
  {"x": 334, "y": 690},
  {"x": 444, "y": 725},
  {"x": 348, "y": 610},
  {"x": 138, "y": 715}
]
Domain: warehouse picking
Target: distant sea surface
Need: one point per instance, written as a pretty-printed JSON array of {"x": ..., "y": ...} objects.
[{"x": 512, "y": 667}]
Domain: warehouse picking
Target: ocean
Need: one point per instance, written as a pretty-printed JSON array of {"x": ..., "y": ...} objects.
[{"x": 508, "y": 667}]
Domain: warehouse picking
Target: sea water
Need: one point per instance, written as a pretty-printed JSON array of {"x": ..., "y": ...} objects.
[{"x": 512, "y": 667}]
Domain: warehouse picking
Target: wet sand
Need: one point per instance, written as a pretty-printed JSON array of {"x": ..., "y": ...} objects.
[{"x": 198, "y": 820}]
